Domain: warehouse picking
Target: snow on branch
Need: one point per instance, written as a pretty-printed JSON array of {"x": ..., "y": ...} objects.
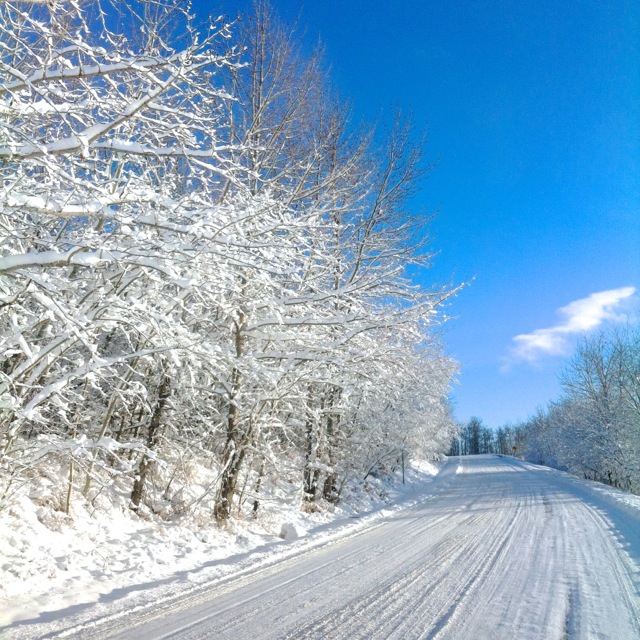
[{"x": 201, "y": 259}]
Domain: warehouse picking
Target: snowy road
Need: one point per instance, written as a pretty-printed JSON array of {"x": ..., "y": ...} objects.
[{"x": 502, "y": 549}]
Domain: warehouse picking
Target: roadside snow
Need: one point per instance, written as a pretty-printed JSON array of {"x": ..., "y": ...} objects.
[
  {"x": 52, "y": 563},
  {"x": 61, "y": 574},
  {"x": 491, "y": 547}
]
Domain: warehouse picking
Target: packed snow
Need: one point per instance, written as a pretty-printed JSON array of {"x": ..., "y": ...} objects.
[
  {"x": 492, "y": 547},
  {"x": 103, "y": 551}
]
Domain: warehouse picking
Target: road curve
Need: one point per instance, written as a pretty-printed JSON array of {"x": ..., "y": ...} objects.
[{"x": 502, "y": 550}]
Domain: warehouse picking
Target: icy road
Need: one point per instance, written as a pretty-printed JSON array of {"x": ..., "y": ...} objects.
[{"x": 500, "y": 549}]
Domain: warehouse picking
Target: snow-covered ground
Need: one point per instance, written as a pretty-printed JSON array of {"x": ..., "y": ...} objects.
[
  {"x": 52, "y": 564},
  {"x": 491, "y": 548}
]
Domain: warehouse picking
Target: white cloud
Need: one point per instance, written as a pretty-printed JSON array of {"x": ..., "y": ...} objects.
[{"x": 578, "y": 316}]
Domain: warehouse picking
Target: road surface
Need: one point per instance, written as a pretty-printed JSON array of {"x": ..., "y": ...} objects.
[{"x": 501, "y": 550}]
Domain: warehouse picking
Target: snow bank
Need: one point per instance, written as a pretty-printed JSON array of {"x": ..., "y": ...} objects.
[{"x": 103, "y": 552}]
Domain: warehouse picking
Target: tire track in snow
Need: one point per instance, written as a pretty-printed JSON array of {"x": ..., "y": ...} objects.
[
  {"x": 414, "y": 593},
  {"x": 506, "y": 550},
  {"x": 385, "y": 599},
  {"x": 487, "y": 560},
  {"x": 590, "y": 609},
  {"x": 453, "y": 588}
]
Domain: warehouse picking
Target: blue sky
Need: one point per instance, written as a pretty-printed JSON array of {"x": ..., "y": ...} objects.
[{"x": 533, "y": 112}]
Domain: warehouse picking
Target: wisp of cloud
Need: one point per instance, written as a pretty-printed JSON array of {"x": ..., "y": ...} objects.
[{"x": 578, "y": 316}]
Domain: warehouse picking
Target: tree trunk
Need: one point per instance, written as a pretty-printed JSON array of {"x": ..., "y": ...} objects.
[
  {"x": 256, "y": 502},
  {"x": 236, "y": 441},
  {"x": 330, "y": 487},
  {"x": 311, "y": 473},
  {"x": 146, "y": 464}
]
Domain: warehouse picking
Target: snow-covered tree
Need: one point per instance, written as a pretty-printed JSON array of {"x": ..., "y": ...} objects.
[
  {"x": 594, "y": 430},
  {"x": 202, "y": 259},
  {"x": 112, "y": 148}
]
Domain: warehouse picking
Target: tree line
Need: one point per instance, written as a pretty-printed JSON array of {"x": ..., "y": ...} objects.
[
  {"x": 475, "y": 438},
  {"x": 204, "y": 261},
  {"x": 593, "y": 430}
]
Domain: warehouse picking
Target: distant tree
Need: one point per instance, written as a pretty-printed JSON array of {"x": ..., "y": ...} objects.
[
  {"x": 456, "y": 445},
  {"x": 487, "y": 440},
  {"x": 474, "y": 427}
]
